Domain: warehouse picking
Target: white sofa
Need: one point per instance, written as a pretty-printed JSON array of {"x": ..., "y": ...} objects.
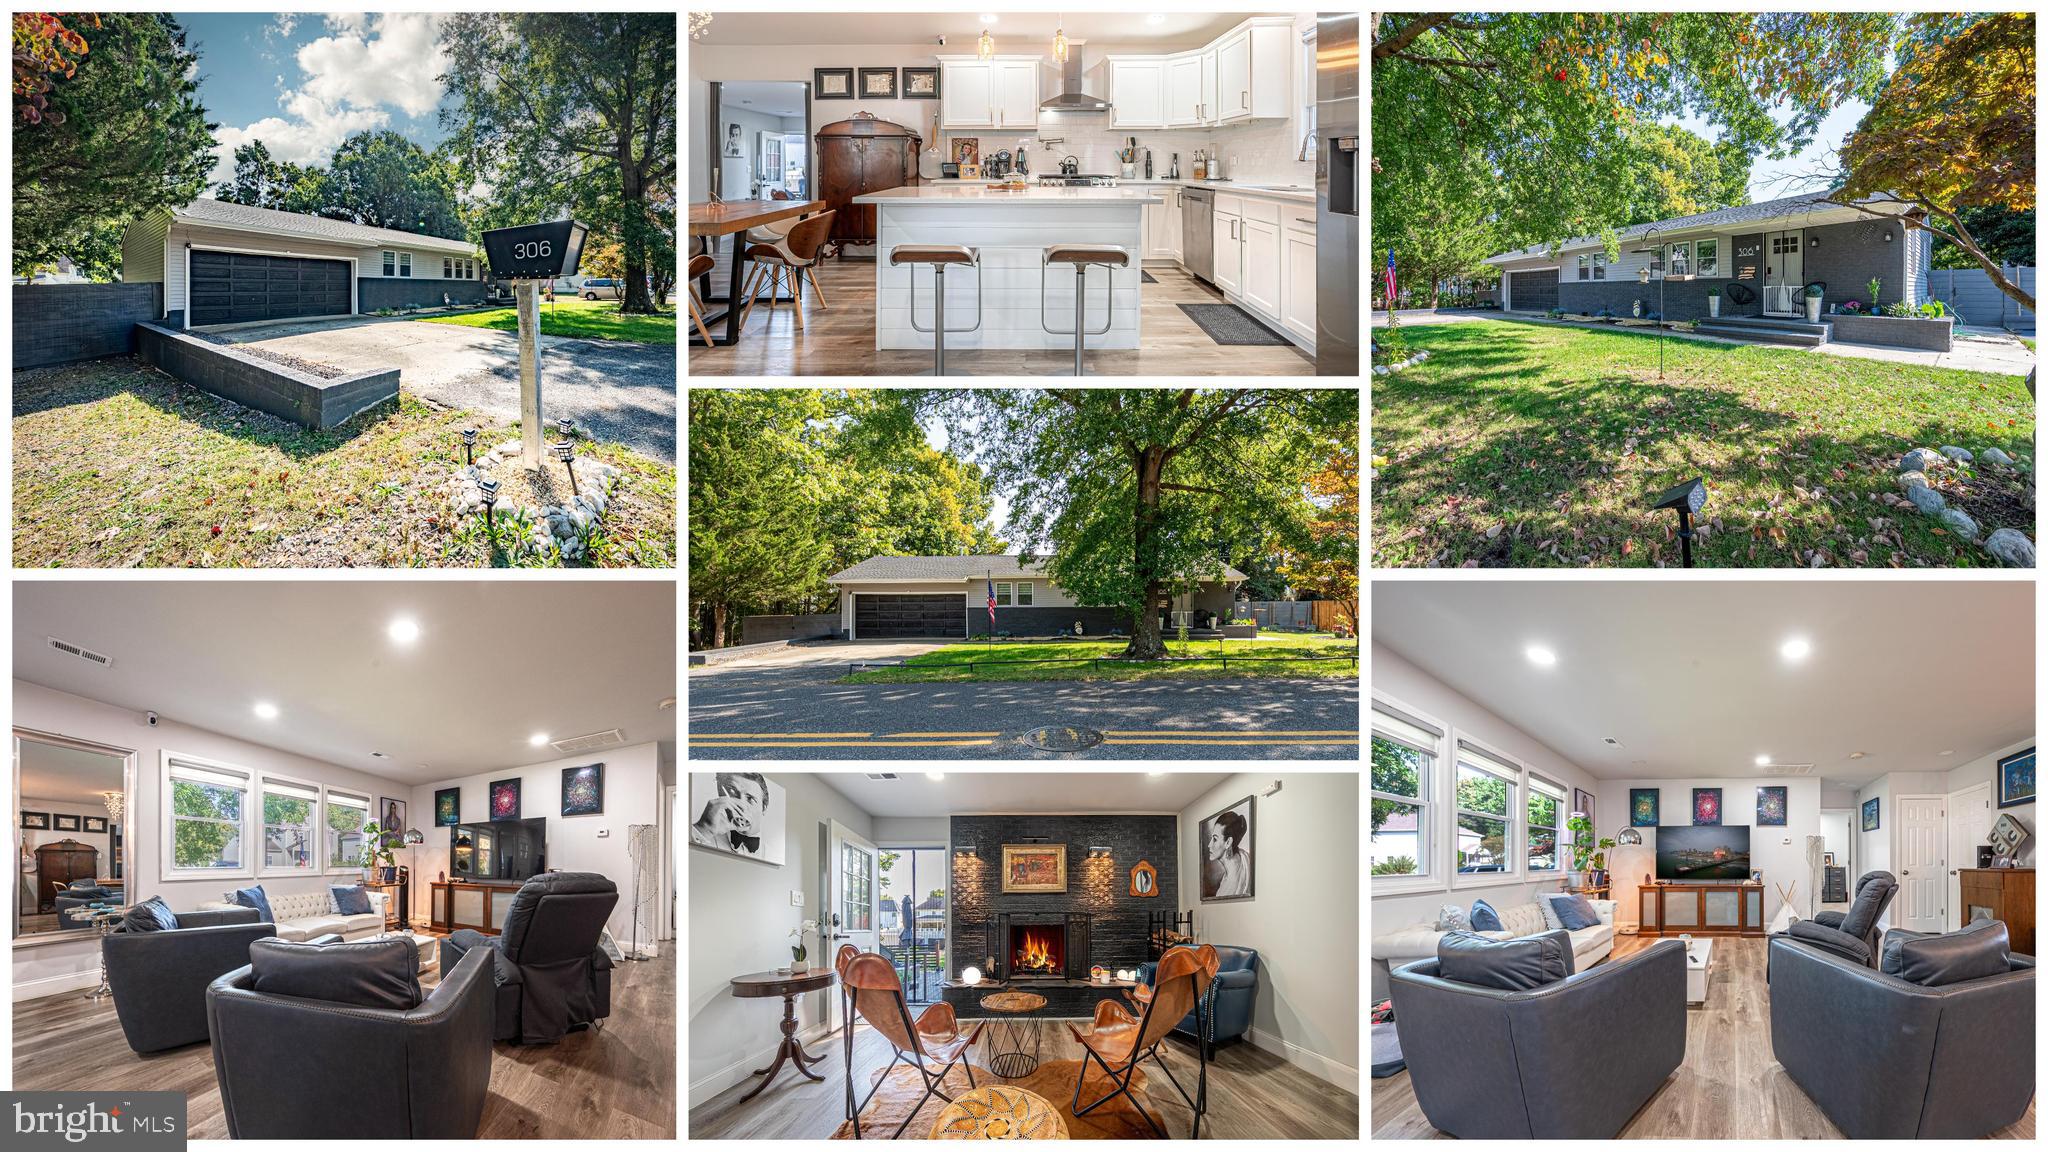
[
  {"x": 304, "y": 915},
  {"x": 1418, "y": 941}
]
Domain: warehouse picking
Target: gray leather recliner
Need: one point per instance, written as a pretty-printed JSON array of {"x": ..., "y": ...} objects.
[
  {"x": 1853, "y": 934},
  {"x": 551, "y": 975},
  {"x": 159, "y": 978},
  {"x": 1886, "y": 1058},
  {"x": 1487, "y": 1063}
]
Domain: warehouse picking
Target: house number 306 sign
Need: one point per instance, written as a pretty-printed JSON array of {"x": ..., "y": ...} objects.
[{"x": 534, "y": 251}]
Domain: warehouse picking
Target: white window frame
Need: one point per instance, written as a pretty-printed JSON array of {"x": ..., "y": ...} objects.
[
  {"x": 1493, "y": 763},
  {"x": 1701, "y": 270},
  {"x": 405, "y": 265},
  {"x": 1672, "y": 253},
  {"x": 390, "y": 263},
  {"x": 262, "y": 826},
  {"x": 1585, "y": 266},
  {"x": 1023, "y": 594},
  {"x": 1533, "y": 783},
  {"x": 168, "y": 761},
  {"x": 1599, "y": 265},
  {"x": 447, "y": 267},
  {"x": 327, "y": 803},
  {"x": 1003, "y": 594},
  {"x": 1392, "y": 720}
]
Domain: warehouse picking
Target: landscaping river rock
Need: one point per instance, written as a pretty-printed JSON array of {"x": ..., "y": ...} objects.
[
  {"x": 2008, "y": 546},
  {"x": 565, "y": 525}
]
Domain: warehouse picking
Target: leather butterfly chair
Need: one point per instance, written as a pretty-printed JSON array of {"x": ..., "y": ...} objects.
[
  {"x": 846, "y": 954},
  {"x": 934, "y": 1036},
  {"x": 1119, "y": 1041}
]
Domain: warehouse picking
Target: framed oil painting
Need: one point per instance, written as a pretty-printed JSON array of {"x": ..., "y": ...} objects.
[
  {"x": 583, "y": 790},
  {"x": 447, "y": 807},
  {"x": 1225, "y": 842},
  {"x": 391, "y": 821},
  {"x": 1770, "y": 806},
  {"x": 1706, "y": 805},
  {"x": 1870, "y": 814},
  {"x": 738, "y": 814},
  {"x": 2016, "y": 779},
  {"x": 1034, "y": 867},
  {"x": 1642, "y": 807},
  {"x": 505, "y": 799}
]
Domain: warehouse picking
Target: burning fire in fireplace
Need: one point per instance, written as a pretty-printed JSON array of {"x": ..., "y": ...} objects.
[{"x": 1038, "y": 950}]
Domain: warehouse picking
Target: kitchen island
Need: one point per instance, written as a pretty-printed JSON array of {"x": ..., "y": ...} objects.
[{"x": 1011, "y": 231}]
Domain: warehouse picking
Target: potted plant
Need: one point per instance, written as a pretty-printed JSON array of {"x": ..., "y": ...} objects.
[
  {"x": 1873, "y": 285},
  {"x": 1587, "y": 851},
  {"x": 1813, "y": 294},
  {"x": 376, "y": 859},
  {"x": 1713, "y": 301},
  {"x": 799, "y": 957}
]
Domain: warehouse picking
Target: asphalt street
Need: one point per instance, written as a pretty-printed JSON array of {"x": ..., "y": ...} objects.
[{"x": 793, "y": 711}]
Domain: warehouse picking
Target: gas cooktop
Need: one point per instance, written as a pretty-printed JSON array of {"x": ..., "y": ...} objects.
[{"x": 1084, "y": 180}]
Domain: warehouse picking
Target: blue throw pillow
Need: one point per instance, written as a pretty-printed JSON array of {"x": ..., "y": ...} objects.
[
  {"x": 352, "y": 900},
  {"x": 1574, "y": 912},
  {"x": 152, "y": 915},
  {"x": 254, "y": 898},
  {"x": 1484, "y": 918}
]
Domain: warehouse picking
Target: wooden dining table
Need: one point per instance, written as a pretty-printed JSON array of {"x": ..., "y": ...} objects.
[{"x": 725, "y": 219}]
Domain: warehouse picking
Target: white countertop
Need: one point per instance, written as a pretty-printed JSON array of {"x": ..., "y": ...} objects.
[
  {"x": 1233, "y": 189},
  {"x": 961, "y": 192}
]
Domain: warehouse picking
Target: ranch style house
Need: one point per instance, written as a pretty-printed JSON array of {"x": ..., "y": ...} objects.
[{"x": 899, "y": 597}]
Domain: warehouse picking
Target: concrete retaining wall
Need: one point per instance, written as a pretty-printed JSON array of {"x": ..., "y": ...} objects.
[
  {"x": 62, "y": 323},
  {"x": 265, "y": 385},
  {"x": 1897, "y": 331},
  {"x": 375, "y": 292},
  {"x": 817, "y": 626}
]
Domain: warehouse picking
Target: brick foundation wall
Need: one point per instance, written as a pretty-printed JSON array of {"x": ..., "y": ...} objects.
[
  {"x": 375, "y": 292},
  {"x": 267, "y": 386},
  {"x": 819, "y": 625},
  {"x": 1046, "y": 621},
  {"x": 62, "y": 323}
]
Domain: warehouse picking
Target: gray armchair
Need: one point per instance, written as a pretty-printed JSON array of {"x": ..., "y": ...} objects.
[
  {"x": 1887, "y": 1058},
  {"x": 159, "y": 979},
  {"x": 552, "y": 978},
  {"x": 323, "y": 1063},
  {"x": 1489, "y": 1063},
  {"x": 1852, "y": 934}
]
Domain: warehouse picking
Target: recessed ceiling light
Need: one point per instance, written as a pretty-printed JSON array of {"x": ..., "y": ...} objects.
[
  {"x": 403, "y": 630},
  {"x": 1762, "y": 760},
  {"x": 989, "y": 17},
  {"x": 1155, "y": 773},
  {"x": 1856, "y": 755},
  {"x": 667, "y": 702},
  {"x": 935, "y": 775},
  {"x": 1540, "y": 656},
  {"x": 1795, "y": 648},
  {"x": 1948, "y": 751},
  {"x": 1156, "y": 18},
  {"x": 537, "y": 739},
  {"x": 265, "y": 710}
]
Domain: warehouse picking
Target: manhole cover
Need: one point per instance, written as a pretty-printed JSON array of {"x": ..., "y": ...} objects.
[{"x": 1060, "y": 739}]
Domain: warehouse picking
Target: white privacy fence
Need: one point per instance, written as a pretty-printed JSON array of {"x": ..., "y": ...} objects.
[{"x": 1970, "y": 292}]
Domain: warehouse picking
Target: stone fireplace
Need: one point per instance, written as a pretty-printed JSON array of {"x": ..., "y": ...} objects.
[{"x": 1042, "y": 947}]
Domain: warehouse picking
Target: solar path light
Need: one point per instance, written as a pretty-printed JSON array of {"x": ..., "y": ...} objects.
[
  {"x": 566, "y": 451},
  {"x": 489, "y": 488},
  {"x": 1686, "y": 499},
  {"x": 468, "y": 445}
]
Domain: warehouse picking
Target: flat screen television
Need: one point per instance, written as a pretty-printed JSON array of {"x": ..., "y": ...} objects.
[
  {"x": 502, "y": 850},
  {"x": 1703, "y": 852}
]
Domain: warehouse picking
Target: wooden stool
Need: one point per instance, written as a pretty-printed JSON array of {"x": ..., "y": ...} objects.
[
  {"x": 1080, "y": 256},
  {"x": 699, "y": 265},
  {"x": 938, "y": 256}
]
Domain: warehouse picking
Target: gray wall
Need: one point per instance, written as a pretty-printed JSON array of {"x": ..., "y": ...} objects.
[
  {"x": 1846, "y": 258},
  {"x": 1970, "y": 293},
  {"x": 1897, "y": 331},
  {"x": 755, "y": 629},
  {"x": 1849, "y": 255},
  {"x": 1045, "y": 620},
  {"x": 374, "y": 292},
  {"x": 310, "y": 401},
  {"x": 61, "y": 323}
]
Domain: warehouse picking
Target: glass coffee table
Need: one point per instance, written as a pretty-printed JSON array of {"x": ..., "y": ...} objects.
[{"x": 1008, "y": 1031}]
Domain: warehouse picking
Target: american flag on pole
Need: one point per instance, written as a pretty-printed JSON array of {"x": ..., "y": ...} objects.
[
  {"x": 991, "y": 604},
  {"x": 1390, "y": 278}
]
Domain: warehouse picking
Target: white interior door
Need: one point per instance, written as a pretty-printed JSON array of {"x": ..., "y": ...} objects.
[
  {"x": 1969, "y": 823},
  {"x": 1922, "y": 840},
  {"x": 852, "y": 911}
]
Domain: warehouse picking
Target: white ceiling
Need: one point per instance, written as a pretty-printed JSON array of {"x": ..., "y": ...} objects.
[
  {"x": 1012, "y": 31},
  {"x": 1687, "y": 673},
  {"x": 67, "y": 775},
  {"x": 912, "y": 794},
  {"x": 769, "y": 98},
  {"x": 496, "y": 661}
]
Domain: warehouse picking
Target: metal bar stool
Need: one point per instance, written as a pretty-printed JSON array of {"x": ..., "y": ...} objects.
[
  {"x": 938, "y": 256},
  {"x": 1081, "y": 256}
]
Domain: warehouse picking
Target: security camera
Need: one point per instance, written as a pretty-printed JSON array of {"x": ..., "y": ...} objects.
[
  {"x": 153, "y": 719},
  {"x": 942, "y": 41}
]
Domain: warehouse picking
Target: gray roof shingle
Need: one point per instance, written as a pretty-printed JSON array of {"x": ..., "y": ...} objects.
[
  {"x": 955, "y": 568},
  {"x": 221, "y": 214},
  {"x": 1740, "y": 214}
]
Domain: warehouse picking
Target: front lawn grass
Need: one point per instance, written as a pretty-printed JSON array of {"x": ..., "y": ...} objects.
[
  {"x": 1280, "y": 654},
  {"x": 1532, "y": 445},
  {"x": 576, "y": 318},
  {"x": 119, "y": 465}
]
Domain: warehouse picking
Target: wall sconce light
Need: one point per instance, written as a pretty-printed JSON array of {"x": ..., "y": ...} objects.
[
  {"x": 1887, "y": 235},
  {"x": 1813, "y": 241},
  {"x": 1097, "y": 852}
]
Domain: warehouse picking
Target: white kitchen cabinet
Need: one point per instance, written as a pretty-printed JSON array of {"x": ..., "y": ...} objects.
[
  {"x": 1227, "y": 246},
  {"x": 1173, "y": 223},
  {"x": 966, "y": 94},
  {"x": 1208, "y": 58},
  {"x": 1234, "y": 77},
  {"x": 1261, "y": 266},
  {"x": 1016, "y": 88},
  {"x": 1137, "y": 92},
  {"x": 1184, "y": 90},
  {"x": 1298, "y": 273},
  {"x": 1162, "y": 222}
]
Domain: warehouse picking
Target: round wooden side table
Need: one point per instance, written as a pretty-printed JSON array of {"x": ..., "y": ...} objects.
[
  {"x": 1008, "y": 1032},
  {"x": 788, "y": 985},
  {"x": 999, "y": 1112}
]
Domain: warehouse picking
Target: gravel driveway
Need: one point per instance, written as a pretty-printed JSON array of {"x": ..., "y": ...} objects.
[{"x": 624, "y": 393}]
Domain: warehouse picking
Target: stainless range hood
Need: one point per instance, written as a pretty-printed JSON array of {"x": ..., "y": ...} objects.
[{"x": 1070, "y": 97}]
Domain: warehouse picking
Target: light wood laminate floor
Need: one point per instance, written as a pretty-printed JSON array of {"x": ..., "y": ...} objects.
[
  {"x": 1728, "y": 1088},
  {"x": 1253, "y": 1094},
  {"x": 839, "y": 340},
  {"x": 614, "y": 1084}
]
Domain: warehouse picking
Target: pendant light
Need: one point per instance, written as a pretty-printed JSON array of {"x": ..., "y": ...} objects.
[
  {"x": 986, "y": 47},
  {"x": 1059, "y": 41}
]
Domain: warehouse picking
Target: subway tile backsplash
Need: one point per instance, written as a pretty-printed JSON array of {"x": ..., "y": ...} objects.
[{"x": 1260, "y": 152}]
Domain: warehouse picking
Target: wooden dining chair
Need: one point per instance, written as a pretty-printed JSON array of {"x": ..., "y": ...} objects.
[
  {"x": 788, "y": 262},
  {"x": 1119, "y": 1041},
  {"x": 934, "y": 1036},
  {"x": 699, "y": 265},
  {"x": 778, "y": 194}
]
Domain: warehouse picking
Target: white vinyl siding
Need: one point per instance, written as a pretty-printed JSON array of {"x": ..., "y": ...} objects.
[
  {"x": 142, "y": 249},
  {"x": 415, "y": 265},
  {"x": 1919, "y": 257}
]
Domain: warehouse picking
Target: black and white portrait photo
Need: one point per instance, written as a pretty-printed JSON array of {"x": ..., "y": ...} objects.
[
  {"x": 738, "y": 813},
  {"x": 734, "y": 146},
  {"x": 1226, "y": 842}
]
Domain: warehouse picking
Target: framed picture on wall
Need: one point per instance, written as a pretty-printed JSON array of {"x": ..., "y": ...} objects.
[
  {"x": 831, "y": 83},
  {"x": 391, "y": 821},
  {"x": 1870, "y": 814},
  {"x": 1706, "y": 805},
  {"x": 1771, "y": 806},
  {"x": 1582, "y": 801},
  {"x": 739, "y": 814},
  {"x": 2016, "y": 779},
  {"x": 96, "y": 824},
  {"x": 1034, "y": 867},
  {"x": 583, "y": 790},
  {"x": 1226, "y": 845},
  {"x": 447, "y": 807},
  {"x": 877, "y": 84},
  {"x": 64, "y": 822},
  {"x": 735, "y": 142},
  {"x": 920, "y": 83},
  {"x": 35, "y": 821},
  {"x": 505, "y": 799},
  {"x": 1642, "y": 807}
]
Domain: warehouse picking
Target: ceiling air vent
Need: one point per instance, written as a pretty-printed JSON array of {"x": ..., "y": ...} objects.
[
  {"x": 85, "y": 654},
  {"x": 611, "y": 738},
  {"x": 881, "y": 775},
  {"x": 1786, "y": 770}
]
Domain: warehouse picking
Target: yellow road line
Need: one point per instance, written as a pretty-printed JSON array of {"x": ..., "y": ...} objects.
[
  {"x": 780, "y": 735},
  {"x": 1231, "y": 743},
  {"x": 1351, "y": 732},
  {"x": 841, "y": 744},
  {"x": 944, "y": 733}
]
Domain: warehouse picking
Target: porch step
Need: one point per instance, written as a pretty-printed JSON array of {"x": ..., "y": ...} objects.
[{"x": 1767, "y": 330}]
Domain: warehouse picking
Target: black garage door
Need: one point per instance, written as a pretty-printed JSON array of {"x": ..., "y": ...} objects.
[
  {"x": 885, "y": 617},
  {"x": 1532, "y": 291},
  {"x": 231, "y": 287}
]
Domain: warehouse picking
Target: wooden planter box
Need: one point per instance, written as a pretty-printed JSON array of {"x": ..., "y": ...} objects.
[{"x": 1928, "y": 335}]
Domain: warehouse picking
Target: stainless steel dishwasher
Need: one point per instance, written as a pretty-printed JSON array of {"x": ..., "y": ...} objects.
[{"x": 1197, "y": 236}]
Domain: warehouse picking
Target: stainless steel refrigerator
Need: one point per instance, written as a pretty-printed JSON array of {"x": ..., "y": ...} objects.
[{"x": 1337, "y": 194}]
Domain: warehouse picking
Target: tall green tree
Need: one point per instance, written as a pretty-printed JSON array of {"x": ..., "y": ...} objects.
[
  {"x": 384, "y": 180},
  {"x": 570, "y": 110},
  {"x": 120, "y": 136},
  {"x": 757, "y": 500},
  {"x": 1679, "y": 173},
  {"x": 2003, "y": 234},
  {"x": 1135, "y": 493}
]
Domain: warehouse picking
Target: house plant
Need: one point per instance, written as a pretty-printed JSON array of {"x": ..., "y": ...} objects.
[
  {"x": 376, "y": 859},
  {"x": 1813, "y": 294},
  {"x": 1587, "y": 852},
  {"x": 799, "y": 956},
  {"x": 1713, "y": 301}
]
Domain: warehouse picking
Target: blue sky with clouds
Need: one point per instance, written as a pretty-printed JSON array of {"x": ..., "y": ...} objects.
[{"x": 304, "y": 82}]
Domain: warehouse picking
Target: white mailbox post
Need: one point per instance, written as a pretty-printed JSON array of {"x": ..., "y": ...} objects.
[{"x": 529, "y": 256}]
